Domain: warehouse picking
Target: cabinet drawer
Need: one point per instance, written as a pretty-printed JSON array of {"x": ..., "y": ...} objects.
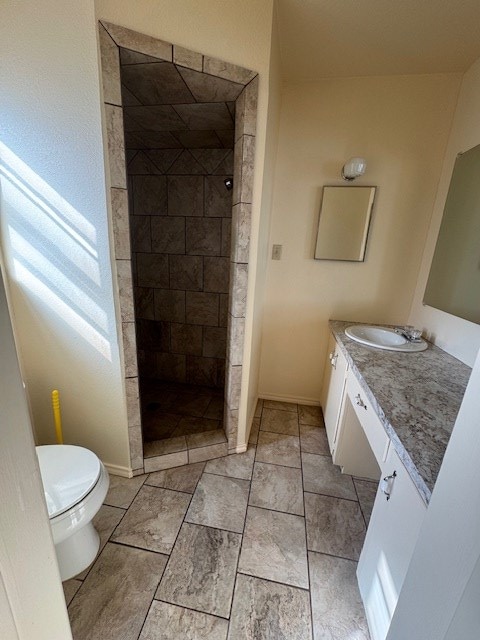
[{"x": 373, "y": 428}]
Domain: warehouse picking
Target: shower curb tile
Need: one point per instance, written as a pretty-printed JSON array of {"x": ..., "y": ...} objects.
[
  {"x": 168, "y": 461},
  {"x": 164, "y": 447},
  {"x": 138, "y": 472},
  {"x": 201, "y": 454},
  {"x": 205, "y": 438}
]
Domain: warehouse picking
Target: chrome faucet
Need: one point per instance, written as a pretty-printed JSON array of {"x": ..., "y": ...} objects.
[{"x": 409, "y": 332}]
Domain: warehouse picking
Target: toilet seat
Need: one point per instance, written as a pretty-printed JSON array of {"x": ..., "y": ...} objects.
[{"x": 69, "y": 473}]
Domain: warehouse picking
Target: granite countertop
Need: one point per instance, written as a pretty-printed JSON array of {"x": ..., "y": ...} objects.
[{"x": 416, "y": 396}]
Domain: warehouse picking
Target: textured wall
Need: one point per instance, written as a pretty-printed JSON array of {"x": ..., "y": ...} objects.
[
  {"x": 54, "y": 226},
  {"x": 401, "y": 125}
]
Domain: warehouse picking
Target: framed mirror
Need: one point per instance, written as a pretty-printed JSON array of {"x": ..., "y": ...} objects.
[
  {"x": 454, "y": 281},
  {"x": 344, "y": 222}
]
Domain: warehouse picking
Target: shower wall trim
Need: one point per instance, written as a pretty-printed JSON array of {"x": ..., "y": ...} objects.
[{"x": 111, "y": 37}]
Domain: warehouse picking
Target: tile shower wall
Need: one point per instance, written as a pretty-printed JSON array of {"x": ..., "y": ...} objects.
[{"x": 180, "y": 221}]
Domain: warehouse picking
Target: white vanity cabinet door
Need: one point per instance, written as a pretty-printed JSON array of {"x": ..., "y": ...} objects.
[
  {"x": 376, "y": 435},
  {"x": 333, "y": 386},
  {"x": 353, "y": 453},
  {"x": 391, "y": 537}
]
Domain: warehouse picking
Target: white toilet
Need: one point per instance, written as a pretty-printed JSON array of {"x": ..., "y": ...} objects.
[{"x": 75, "y": 484}]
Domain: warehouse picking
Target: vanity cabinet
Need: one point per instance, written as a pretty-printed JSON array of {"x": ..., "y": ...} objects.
[
  {"x": 362, "y": 438},
  {"x": 353, "y": 453},
  {"x": 332, "y": 392},
  {"x": 394, "y": 526},
  {"x": 369, "y": 430}
]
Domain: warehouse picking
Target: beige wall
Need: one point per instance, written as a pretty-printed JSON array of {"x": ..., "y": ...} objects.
[
  {"x": 457, "y": 336},
  {"x": 54, "y": 230},
  {"x": 401, "y": 125},
  {"x": 258, "y": 279},
  {"x": 237, "y": 32},
  {"x": 59, "y": 267},
  {"x": 32, "y": 604}
]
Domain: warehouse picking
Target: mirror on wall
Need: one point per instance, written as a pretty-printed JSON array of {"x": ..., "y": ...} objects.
[
  {"x": 454, "y": 280},
  {"x": 345, "y": 215}
]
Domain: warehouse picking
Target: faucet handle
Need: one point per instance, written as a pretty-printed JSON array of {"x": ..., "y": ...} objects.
[
  {"x": 409, "y": 332},
  {"x": 415, "y": 335}
]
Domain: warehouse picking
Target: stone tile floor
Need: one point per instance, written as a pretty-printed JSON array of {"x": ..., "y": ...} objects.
[
  {"x": 171, "y": 410},
  {"x": 257, "y": 546}
]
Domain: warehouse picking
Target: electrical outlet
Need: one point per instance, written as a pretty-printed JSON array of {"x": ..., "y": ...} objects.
[{"x": 277, "y": 252}]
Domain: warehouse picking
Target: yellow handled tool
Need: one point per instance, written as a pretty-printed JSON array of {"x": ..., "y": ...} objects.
[{"x": 56, "y": 416}]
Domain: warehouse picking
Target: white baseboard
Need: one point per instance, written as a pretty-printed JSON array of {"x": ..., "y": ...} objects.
[
  {"x": 116, "y": 470},
  {"x": 294, "y": 399}
]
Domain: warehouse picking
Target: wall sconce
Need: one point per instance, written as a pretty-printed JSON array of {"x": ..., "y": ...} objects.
[{"x": 354, "y": 168}]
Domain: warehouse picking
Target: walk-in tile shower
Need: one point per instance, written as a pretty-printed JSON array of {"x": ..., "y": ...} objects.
[{"x": 187, "y": 137}]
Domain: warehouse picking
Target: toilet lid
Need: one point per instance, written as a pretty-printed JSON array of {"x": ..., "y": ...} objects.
[{"x": 69, "y": 473}]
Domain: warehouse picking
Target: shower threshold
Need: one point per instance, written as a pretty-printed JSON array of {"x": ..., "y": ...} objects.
[{"x": 181, "y": 424}]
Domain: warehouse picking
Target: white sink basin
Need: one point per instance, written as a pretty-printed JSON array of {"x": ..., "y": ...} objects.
[{"x": 383, "y": 338}]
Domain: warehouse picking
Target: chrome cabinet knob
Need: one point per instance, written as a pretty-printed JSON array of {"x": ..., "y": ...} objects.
[
  {"x": 359, "y": 401},
  {"x": 333, "y": 359},
  {"x": 387, "y": 484}
]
